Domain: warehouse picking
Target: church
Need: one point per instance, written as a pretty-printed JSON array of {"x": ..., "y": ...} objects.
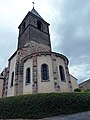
[{"x": 34, "y": 67}]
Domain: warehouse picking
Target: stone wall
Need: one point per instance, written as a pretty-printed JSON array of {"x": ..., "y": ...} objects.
[
  {"x": 1, "y": 85},
  {"x": 73, "y": 82},
  {"x": 85, "y": 85},
  {"x": 31, "y": 32}
]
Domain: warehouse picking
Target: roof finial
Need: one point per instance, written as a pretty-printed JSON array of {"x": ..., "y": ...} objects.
[{"x": 33, "y": 4}]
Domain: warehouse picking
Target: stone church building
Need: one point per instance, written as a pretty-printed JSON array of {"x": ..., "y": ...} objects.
[{"x": 34, "y": 68}]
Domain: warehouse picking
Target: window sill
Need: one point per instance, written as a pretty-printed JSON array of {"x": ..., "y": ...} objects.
[
  {"x": 11, "y": 86},
  {"x": 63, "y": 81},
  {"x": 45, "y": 80},
  {"x": 27, "y": 84}
]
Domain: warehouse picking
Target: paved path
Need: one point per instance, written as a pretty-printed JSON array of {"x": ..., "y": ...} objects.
[{"x": 78, "y": 116}]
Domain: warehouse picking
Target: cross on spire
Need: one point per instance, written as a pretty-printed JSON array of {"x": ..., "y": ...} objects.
[{"x": 33, "y": 4}]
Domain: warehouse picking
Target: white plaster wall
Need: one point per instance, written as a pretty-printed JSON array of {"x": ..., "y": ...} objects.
[
  {"x": 27, "y": 89},
  {"x": 1, "y": 87},
  {"x": 48, "y": 86},
  {"x": 63, "y": 85},
  {"x": 12, "y": 69},
  {"x": 74, "y": 82}
]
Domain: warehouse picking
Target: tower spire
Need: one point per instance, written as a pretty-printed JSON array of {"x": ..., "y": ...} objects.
[{"x": 33, "y": 4}]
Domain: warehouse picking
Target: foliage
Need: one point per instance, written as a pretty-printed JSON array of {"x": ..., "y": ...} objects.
[
  {"x": 43, "y": 105},
  {"x": 77, "y": 90},
  {"x": 87, "y": 90}
]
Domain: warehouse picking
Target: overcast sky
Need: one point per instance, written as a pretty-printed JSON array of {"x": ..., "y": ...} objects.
[{"x": 69, "y": 29}]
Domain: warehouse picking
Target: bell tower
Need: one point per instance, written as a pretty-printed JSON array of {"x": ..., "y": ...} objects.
[{"x": 34, "y": 28}]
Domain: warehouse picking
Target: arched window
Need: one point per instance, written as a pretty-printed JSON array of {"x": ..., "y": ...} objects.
[
  {"x": 44, "y": 72},
  {"x": 62, "y": 75},
  {"x": 39, "y": 25},
  {"x": 12, "y": 79},
  {"x": 28, "y": 75}
]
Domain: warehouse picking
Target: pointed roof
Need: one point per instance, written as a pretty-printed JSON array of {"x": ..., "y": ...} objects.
[{"x": 36, "y": 13}]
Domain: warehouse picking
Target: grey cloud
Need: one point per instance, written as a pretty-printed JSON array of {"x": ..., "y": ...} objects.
[
  {"x": 73, "y": 33},
  {"x": 7, "y": 45}
]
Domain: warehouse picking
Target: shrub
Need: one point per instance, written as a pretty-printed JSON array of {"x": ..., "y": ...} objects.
[
  {"x": 43, "y": 105},
  {"x": 87, "y": 90},
  {"x": 77, "y": 90}
]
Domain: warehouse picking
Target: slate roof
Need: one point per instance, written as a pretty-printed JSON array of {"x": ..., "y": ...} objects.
[{"x": 36, "y": 13}]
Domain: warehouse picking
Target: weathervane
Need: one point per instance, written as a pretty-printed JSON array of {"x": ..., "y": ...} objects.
[{"x": 33, "y": 4}]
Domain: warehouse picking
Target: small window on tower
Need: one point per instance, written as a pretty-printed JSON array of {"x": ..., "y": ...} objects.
[
  {"x": 23, "y": 26},
  {"x": 1, "y": 74},
  {"x": 39, "y": 25}
]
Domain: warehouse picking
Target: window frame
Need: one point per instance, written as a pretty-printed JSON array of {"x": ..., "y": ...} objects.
[
  {"x": 44, "y": 73},
  {"x": 28, "y": 76},
  {"x": 39, "y": 25},
  {"x": 12, "y": 79},
  {"x": 62, "y": 73}
]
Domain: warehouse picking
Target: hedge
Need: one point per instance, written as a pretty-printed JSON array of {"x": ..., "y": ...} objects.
[
  {"x": 77, "y": 90},
  {"x": 87, "y": 90},
  {"x": 43, "y": 105}
]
